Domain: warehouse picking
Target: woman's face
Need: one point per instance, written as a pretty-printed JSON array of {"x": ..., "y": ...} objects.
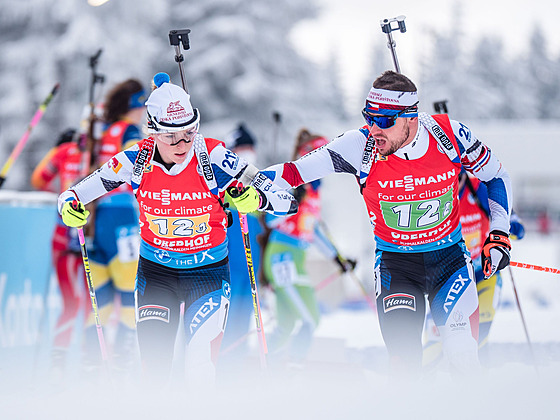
[{"x": 174, "y": 147}]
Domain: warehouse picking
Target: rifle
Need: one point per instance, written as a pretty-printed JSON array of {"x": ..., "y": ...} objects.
[{"x": 89, "y": 140}]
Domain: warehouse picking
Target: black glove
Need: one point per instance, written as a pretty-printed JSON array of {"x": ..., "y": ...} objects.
[
  {"x": 299, "y": 193},
  {"x": 345, "y": 264},
  {"x": 495, "y": 253}
]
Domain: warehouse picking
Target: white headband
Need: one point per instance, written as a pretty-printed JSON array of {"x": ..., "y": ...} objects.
[{"x": 392, "y": 97}]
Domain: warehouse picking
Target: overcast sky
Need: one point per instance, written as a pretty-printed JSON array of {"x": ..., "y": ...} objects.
[{"x": 351, "y": 28}]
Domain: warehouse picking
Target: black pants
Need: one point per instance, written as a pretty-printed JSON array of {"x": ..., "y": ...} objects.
[
  {"x": 402, "y": 281},
  {"x": 159, "y": 293}
]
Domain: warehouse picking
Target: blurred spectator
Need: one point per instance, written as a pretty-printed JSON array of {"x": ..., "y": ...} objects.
[
  {"x": 241, "y": 312},
  {"x": 543, "y": 221},
  {"x": 285, "y": 266},
  {"x": 61, "y": 166},
  {"x": 116, "y": 239}
]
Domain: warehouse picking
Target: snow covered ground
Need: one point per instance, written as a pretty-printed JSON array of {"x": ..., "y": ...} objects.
[{"x": 347, "y": 375}]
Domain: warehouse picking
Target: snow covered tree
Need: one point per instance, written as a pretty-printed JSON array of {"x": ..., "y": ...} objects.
[
  {"x": 42, "y": 42},
  {"x": 540, "y": 79},
  {"x": 492, "y": 82},
  {"x": 444, "y": 72},
  {"x": 487, "y": 84},
  {"x": 380, "y": 62},
  {"x": 242, "y": 67},
  {"x": 335, "y": 96}
]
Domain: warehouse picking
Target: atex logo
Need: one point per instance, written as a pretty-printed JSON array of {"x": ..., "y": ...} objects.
[
  {"x": 455, "y": 291},
  {"x": 399, "y": 301},
  {"x": 206, "y": 309},
  {"x": 157, "y": 312}
]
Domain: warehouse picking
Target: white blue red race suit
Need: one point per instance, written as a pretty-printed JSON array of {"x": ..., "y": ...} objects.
[
  {"x": 183, "y": 252},
  {"x": 412, "y": 201}
]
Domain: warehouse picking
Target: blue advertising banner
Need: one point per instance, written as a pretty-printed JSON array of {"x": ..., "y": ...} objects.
[{"x": 27, "y": 303}]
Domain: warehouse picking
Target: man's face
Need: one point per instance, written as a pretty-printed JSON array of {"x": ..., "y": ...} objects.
[{"x": 389, "y": 140}]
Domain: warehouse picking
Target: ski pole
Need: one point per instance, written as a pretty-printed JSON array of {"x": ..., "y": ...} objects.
[
  {"x": 388, "y": 28},
  {"x": 535, "y": 267},
  {"x": 369, "y": 300},
  {"x": 92, "y": 294},
  {"x": 523, "y": 319},
  {"x": 322, "y": 284},
  {"x": 235, "y": 192},
  {"x": 328, "y": 280},
  {"x": 244, "y": 337},
  {"x": 23, "y": 140}
]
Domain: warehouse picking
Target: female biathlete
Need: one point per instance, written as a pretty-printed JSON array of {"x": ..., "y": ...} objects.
[
  {"x": 285, "y": 265},
  {"x": 179, "y": 179},
  {"x": 114, "y": 253},
  {"x": 63, "y": 163}
]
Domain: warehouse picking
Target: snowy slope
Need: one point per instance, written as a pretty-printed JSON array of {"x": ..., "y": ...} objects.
[{"x": 347, "y": 375}]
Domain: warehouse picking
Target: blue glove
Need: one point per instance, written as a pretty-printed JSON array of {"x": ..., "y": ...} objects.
[{"x": 516, "y": 228}]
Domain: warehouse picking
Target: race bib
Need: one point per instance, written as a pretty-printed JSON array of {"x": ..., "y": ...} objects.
[
  {"x": 174, "y": 227},
  {"x": 413, "y": 216},
  {"x": 128, "y": 243},
  {"x": 284, "y": 270}
]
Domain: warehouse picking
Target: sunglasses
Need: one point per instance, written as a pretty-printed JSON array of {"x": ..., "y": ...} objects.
[
  {"x": 387, "y": 121},
  {"x": 173, "y": 139}
]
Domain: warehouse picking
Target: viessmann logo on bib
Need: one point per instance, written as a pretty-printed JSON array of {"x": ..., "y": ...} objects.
[
  {"x": 178, "y": 227},
  {"x": 166, "y": 196},
  {"x": 409, "y": 182}
]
